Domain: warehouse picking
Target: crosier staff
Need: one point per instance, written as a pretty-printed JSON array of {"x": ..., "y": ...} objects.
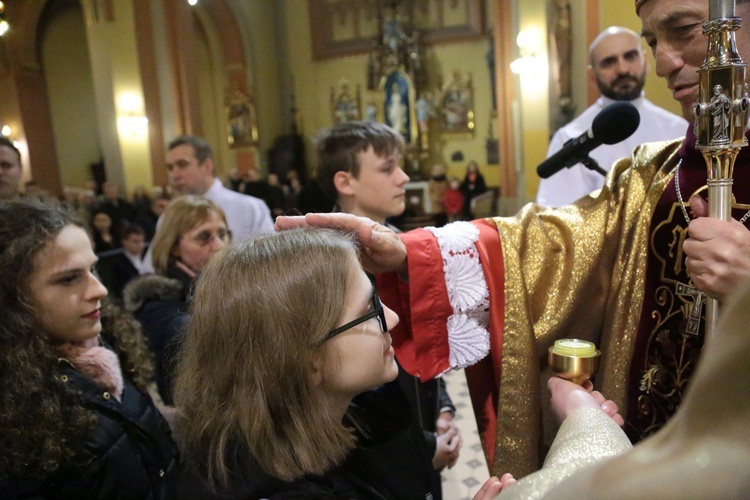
[{"x": 721, "y": 115}]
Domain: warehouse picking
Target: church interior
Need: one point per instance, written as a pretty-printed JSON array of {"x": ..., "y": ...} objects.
[{"x": 95, "y": 89}]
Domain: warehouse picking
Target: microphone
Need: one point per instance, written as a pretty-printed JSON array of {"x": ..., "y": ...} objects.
[{"x": 613, "y": 124}]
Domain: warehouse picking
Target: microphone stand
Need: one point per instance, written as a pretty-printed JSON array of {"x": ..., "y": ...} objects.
[
  {"x": 721, "y": 115},
  {"x": 591, "y": 164}
]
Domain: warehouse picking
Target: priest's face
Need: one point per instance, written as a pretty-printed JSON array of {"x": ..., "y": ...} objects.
[
  {"x": 619, "y": 66},
  {"x": 674, "y": 32}
]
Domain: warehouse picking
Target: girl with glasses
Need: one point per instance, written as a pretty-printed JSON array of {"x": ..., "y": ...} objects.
[
  {"x": 76, "y": 419},
  {"x": 191, "y": 230},
  {"x": 286, "y": 330}
]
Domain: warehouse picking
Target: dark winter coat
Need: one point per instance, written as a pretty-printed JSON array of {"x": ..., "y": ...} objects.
[
  {"x": 160, "y": 304},
  {"x": 132, "y": 451},
  {"x": 388, "y": 463}
]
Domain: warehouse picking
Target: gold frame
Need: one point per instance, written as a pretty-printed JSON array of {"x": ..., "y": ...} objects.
[
  {"x": 341, "y": 103},
  {"x": 457, "y": 105},
  {"x": 324, "y": 13},
  {"x": 242, "y": 125}
]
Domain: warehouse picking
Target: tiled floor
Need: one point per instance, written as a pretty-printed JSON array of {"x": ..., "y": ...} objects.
[{"x": 470, "y": 473}]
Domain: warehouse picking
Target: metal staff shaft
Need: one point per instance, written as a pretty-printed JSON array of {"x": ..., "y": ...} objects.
[
  {"x": 721, "y": 116},
  {"x": 719, "y": 207}
]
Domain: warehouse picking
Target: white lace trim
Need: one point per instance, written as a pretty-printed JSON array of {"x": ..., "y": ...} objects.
[{"x": 468, "y": 338}]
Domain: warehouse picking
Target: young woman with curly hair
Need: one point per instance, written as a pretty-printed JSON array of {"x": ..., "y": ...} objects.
[{"x": 76, "y": 420}]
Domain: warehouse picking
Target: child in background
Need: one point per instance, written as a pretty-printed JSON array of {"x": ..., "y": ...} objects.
[{"x": 453, "y": 200}]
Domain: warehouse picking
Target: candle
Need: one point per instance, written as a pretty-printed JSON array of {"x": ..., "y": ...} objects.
[
  {"x": 574, "y": 347},
  {"x": 573, "y": 359}
]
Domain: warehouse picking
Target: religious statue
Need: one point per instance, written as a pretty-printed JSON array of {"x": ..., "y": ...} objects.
[
  {"x": 425, "y": 111},
  {"x": 720, "y": 106},
  {"x": 397, "y": 110}
]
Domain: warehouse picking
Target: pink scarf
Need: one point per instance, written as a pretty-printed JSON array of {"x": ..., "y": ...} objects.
[{"x": 98, "y": 363}]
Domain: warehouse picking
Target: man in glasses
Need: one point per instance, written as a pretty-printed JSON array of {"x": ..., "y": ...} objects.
[{"x": 360, "y": 167}]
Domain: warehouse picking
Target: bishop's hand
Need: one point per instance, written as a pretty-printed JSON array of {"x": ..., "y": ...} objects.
[
  {"x": 381, "y": 249},
  {"x": 718, "y": 252}
]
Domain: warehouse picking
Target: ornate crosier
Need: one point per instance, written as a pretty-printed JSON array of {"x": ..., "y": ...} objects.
[{"x": 721, "y": 116}]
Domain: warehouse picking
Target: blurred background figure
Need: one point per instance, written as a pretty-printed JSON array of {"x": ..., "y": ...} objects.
[
  {"x": 453, "y": 200},
  {"x": 192, "y": 230},
  {"x": 292, "y": 195},
  {"x": 118, "y": 208},
  {"x": 104, "y": 234},
  {"x": 472, "y": 186},
  {"x": 275, "y": 196},
  {"x": 148, "y": 220},
  {"x": 437, "y": 186},
  {"x": 141, "y": 202},
  {"x": 130, "y": 262},
  {"x": 10, "y": 169}
]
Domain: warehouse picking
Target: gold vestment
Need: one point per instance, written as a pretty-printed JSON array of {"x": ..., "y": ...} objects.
[{"x": 577, "y": 272}]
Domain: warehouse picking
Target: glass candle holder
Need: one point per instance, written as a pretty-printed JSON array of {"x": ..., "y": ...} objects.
[{"x": 573, "y": 359}]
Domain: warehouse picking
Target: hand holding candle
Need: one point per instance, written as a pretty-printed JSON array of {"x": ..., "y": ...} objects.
[{"x": 574, "y": 360}]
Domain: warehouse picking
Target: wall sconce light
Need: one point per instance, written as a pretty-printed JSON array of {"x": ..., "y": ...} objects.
[
  {"x": 192, "y": 2},
  {"x": 4, "y": 26},
  {"x": 529, "y": 61},
  {"x": 132, "y": 122},
  {"x": 5, "y": 131}
]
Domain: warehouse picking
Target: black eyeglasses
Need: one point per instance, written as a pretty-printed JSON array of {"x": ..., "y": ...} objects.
[{"x": 376, "y": 312}]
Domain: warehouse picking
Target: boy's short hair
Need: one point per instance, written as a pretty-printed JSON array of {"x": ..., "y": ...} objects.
[
  {"x": 130, "y": 229},
  {"x": 338, "y": 146}
]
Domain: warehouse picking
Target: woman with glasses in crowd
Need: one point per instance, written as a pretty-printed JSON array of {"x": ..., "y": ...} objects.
[
  {"x": 191, "y": 230},
  {"x": 286, "y": 330}
]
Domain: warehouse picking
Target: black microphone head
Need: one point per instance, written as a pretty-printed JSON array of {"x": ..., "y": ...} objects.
[{"x": 615, "y": 123}]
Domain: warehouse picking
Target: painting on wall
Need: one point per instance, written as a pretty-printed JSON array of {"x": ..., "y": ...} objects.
[
  {"x": 348, "y": 27},
  {"x": 457, "y": 106},
  {"x": 344, "y": 105},
  {"x": 397, "y": 104},
  {"x": 242, "y": 128}
]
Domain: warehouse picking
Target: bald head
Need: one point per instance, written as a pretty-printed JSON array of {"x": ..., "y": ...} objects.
[
  {"x": 618, "y": 63},
  {"x": 618, "y": 31}
]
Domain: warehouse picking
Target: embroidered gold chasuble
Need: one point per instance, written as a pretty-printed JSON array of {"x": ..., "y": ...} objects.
[
  {"x": 609, "y": 269},
  {"x": 576, "y": 271}
]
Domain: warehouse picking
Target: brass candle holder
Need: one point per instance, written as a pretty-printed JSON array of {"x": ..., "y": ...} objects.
[{"x": 574, "y": 360}]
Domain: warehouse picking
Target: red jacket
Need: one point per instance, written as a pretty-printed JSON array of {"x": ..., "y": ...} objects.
[{"x": 453, "y": 200}]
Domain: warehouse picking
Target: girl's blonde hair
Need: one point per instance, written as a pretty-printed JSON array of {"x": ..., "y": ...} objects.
[
  {"x": 182, "y": 215},
  {"x": 259, "y": 316}
]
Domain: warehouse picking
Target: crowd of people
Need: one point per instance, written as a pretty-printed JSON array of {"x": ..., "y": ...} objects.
[{"x": 302, "y": 359}]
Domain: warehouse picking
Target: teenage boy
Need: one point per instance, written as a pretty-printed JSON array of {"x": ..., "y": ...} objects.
[{"x": 359, "y": 166}]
